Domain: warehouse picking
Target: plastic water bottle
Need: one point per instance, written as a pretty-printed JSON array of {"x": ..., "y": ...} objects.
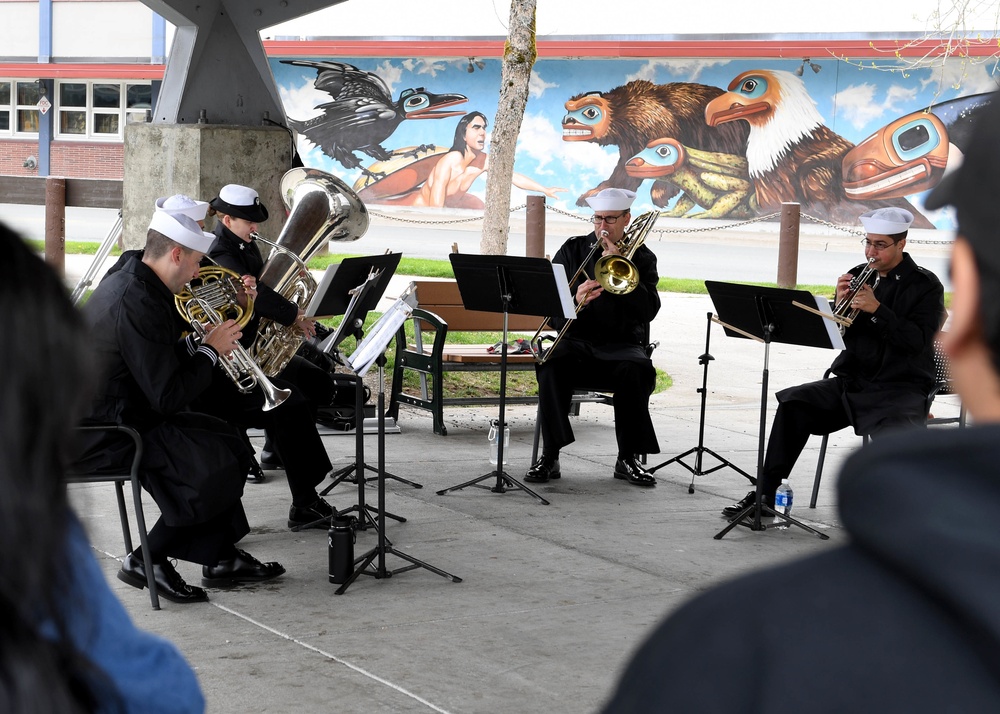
[
  {"x": 783, "y": 503},
  {"x": 494, "y": 439}
]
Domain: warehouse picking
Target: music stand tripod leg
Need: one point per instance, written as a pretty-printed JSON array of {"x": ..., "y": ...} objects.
[
  {"x": 384, "y": 547},
  {"x": 504, "y": 482},
  {"x": 701, "y": 449}
]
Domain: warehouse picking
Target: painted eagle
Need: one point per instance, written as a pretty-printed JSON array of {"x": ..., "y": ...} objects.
[
  {"x": 791, "y": 154},
  {"x": 363, "y": 113},
  {"x": 632, "y": 115}
]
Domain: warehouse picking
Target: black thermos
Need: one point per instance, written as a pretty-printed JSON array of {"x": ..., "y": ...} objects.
[{"x": 341, "y": 537}]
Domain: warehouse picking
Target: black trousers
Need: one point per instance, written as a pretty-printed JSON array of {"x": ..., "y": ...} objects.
[
  {"x": 824, "y": 407},
  {"x": 291, "y": 427},
  {"x": 632, "y": 382},
  {"x": 205, "y": 543}
]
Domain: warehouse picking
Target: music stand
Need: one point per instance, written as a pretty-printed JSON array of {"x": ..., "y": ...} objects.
[
  {"x": 370, "y": 351},
  {"x": 509, "y": 285},
  {"x": 770, "y": 315},
  {"x": 353, "y": 288},
  {"x": 700, "y": 450}
]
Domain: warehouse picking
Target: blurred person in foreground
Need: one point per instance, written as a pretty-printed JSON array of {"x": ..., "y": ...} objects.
[
  {"x": 905, "y": 617},
  {"x": 66, "y": 642}
]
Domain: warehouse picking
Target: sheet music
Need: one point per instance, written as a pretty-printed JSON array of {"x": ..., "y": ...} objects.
[
  {"x": 381, "y": 333},
  {"x": 565, "y": 297},
  {"x": 832, "y": 328}
]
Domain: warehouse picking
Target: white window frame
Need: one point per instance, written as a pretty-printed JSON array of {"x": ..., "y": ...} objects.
[
  {"x": 123, "y": 113},
  {"x": 13, "y": 108}
]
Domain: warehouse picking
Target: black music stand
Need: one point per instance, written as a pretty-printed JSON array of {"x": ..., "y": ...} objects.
[
  {"x": 372, "y": 351},
  {"x": 700, "y": 450},
  {"x": 509, "y": 285},
  {"x": 353, "y": 288},
  {"x": 770, "y": 315}
]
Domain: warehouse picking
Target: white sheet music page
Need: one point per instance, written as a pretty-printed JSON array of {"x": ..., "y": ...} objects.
[
  {"x": 565, "y": 296},
  {"x": 832, "y": 328}
]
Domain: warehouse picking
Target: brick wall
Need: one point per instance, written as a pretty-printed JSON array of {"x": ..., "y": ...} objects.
[
  {"x": 12, "y": 156},
  {"x": 76, "y": 159},
  {"x": 72, "y": 159}
]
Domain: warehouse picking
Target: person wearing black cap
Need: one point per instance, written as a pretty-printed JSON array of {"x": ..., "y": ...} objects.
[
  {"x": 882, "y": 379},
  {"x": 292, "y": 438},
  {"x": 904, "y": 617},
  {"x": 604, "y": 348},
  {"x": 193, "y": 464}
]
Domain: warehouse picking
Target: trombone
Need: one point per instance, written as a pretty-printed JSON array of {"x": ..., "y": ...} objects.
[{"x": 617, "y": 274}]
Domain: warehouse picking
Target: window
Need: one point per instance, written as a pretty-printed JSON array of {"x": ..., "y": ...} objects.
[
  {"x": 4, "y": 106},
  {"x": 26, "y": 107},
  {"x": 99, "y": 110}
]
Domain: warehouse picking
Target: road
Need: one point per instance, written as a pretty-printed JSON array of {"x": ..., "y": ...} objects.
[{"x": 749, "y": 253}]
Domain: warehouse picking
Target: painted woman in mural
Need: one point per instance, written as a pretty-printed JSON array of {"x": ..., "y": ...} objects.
[{"x": 443, "y": 180}]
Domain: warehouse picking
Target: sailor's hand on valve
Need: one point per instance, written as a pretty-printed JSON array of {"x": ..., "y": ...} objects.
[
  {"x": 865, "y": 300},
  {"x": 307, "y": 325},
  {"x": 587, "y": 291},
  {"x": 843, "y": 286},
  {"x": 224, "y": 338}
]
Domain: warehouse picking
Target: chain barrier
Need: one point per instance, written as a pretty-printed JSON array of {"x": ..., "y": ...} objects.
[{"x": 662, "y": 231}]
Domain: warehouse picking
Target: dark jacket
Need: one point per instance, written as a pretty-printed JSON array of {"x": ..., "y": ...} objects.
[
  {"x": 905, "y": 618},
  {"x": 887, "y": 369},
  {"x": 244, "y": 258},
  {"x": 614, "y": 326},
  {"x": 194, "y": 465}
]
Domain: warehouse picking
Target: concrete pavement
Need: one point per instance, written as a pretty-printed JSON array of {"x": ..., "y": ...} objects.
[{"x": 553, "y": 599}]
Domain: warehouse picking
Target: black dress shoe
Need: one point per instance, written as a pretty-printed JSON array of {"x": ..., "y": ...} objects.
[
  {"x": 169, "y": 583},
  {"x": 315, "y": 515},
  {"x": 270, "y": 461},
  {"x": 546, "y": 468},
  {"x": 255, "y": 475},
  {"x": 747, "y": 501},
  {"x": 632, "y": 471},
  {"x": 244, "y": 568}
]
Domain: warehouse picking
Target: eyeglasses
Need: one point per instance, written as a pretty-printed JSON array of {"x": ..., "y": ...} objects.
[
  {"x": 877, "y": 246},
  {"x": 610, "y": 220}
]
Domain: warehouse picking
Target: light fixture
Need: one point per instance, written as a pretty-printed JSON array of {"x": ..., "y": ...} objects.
[
  {"x": 473, "y": 63},
  {"x": 812, "y": 65},
  {"x": 40, "y": 83}
]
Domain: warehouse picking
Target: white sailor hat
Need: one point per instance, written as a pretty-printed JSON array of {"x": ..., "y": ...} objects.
[
  {"x": 182, "y": 229},
  {"x": 241, "y": 202},
  {"x": 612, "y": 199},
  {"x": 887, "y": 221},
  {"x": 179, "y": 203}
]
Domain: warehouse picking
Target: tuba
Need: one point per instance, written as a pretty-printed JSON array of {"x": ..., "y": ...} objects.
[{"x": 321, "y": 208}]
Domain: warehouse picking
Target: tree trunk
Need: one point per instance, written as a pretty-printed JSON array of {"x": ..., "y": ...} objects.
[{"x": 518, "y": 58}]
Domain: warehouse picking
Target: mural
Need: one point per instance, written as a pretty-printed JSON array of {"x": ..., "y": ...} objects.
[{"x": 701, "y": 139}]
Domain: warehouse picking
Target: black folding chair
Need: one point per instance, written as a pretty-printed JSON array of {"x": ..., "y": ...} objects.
[{"x": 119, "y": 478}]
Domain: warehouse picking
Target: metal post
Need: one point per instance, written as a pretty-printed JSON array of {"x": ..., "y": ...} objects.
[
  {"x": 55, "y": 223},
  {"x": 534, "y": 227},
  {"x": 788, "y": 246}
]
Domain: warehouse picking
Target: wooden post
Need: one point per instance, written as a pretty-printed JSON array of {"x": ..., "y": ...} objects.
[
  {"x": 788, "y": 246},
  {"x": 55, "y": 224},
  {"x": 534, "y": 227}
]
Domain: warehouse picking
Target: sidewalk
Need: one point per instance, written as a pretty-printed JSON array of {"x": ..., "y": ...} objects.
[{"x": 553, "y": 599}]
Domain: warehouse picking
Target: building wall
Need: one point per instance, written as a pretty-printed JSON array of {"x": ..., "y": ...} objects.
[
  {"x": 78, "y": 159},
  {"x": 117, "y": 29},
  {"x": 13, "y": 154}
]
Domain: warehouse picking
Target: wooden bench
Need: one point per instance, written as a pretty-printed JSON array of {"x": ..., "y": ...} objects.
[{"x": 440, "y": 309}]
